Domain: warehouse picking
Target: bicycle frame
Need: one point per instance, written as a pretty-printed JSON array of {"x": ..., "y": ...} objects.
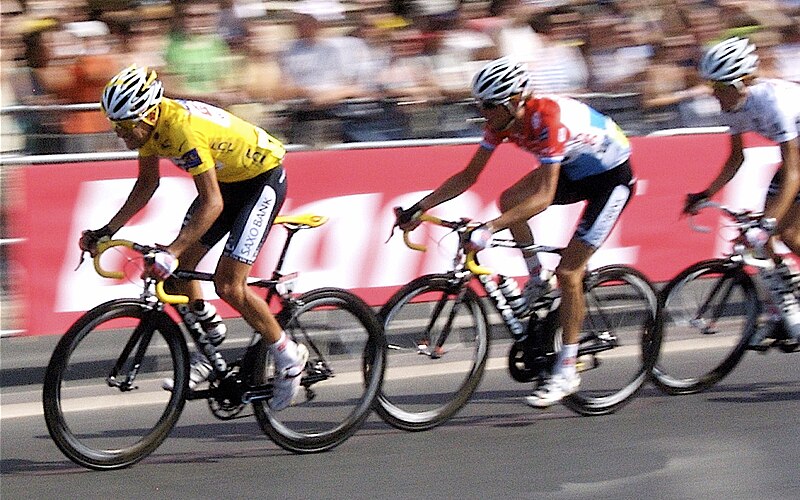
[
  {"x": 155, "y": 294},
  {"x": 742, "y": 256}
]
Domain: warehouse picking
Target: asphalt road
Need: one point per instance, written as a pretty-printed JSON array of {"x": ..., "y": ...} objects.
[{"x": 737, "y": 440}]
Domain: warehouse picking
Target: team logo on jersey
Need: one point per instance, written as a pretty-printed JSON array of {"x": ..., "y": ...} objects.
[{"x": 190, "y": 159}]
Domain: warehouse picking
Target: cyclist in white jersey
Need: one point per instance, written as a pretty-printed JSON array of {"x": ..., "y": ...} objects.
[
  {"x": 769, "y": 107},
  {"x": 582, "y": 156}
]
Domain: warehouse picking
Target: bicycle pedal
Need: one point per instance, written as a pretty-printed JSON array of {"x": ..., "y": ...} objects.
[
  {"x": 788, "y": 346},
  {"x": 762, "y": 346}
]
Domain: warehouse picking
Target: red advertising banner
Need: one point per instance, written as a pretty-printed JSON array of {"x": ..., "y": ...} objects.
[{"x": 357, "y": 190}]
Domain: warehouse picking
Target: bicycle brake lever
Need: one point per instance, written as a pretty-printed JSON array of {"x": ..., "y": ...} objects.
[
  {"x": 391, "y": 233},
  {"x": 80, "y": 262}
]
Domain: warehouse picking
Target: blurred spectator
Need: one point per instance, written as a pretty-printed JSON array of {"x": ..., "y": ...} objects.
[
  {"x": 11, "y": 55},
  {"x": 198, "y": 60},
  {"x": 321, "y": 71},
  {"x": 787, "y": 52},
  {"x": 507, "y": 25},
  {"x": 704, "y": 22},
  {"x": 558, "y": 66},
  {"x": 231, "y": 23},
  {"x": 142, "y": 33},
  {"x": 88, "y": 73},
  {"x": 616, "y": 57},
  {"x": 258, "y": 76},
  {"x": 36, "y": 82},
  {"x": 671, "y": 82},
  {"x": 454, "y": 51},
  {"x": 408, "y": 83}
]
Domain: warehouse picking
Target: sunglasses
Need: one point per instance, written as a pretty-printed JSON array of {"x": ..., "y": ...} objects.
[
  {"x": 737, "y": 84},
  {"x": 125, "y": 125},
  {"x": 489, "y": 105}
]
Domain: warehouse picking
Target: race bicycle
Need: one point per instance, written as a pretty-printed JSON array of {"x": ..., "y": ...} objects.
[
  {"x": 714, "y": 310},
  {"x": 439, "y": 329},
  {"x": 103, "y": 399}
]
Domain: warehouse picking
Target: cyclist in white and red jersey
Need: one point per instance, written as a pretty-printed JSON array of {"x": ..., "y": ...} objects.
[
  {"x": 769, "y": 107},
  {"x": 582, "y": 156},
  {"x": 241, "y": 185}
]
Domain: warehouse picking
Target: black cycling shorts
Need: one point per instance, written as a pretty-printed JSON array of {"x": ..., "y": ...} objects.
[
  {"x": 249, "y": 209},
  {"x": 606, "y": 194}
]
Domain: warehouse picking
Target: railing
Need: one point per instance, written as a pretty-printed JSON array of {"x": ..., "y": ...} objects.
[{"x": 356, "y": 122}]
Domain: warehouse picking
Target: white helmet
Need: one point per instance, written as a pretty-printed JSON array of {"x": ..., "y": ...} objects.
[
  {"x": 131, "y": 94},
  {"x": 729, "y": 60},
  {"x": 499, "y": 80}
]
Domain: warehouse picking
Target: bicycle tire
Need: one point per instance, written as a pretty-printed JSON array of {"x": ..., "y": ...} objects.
[
  {"x": 84, "y": 413},
  {"x": 342, "y": 333},
  {"x": 621, "y": 310},
  {"x": 695, "y": 355},
  {"x": 452, "y": 378}
]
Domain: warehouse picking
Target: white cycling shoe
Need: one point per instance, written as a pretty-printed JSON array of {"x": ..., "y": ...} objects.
[
  {"x": 199, "y": 371},
  {"x": 554, "y": 390},
  {"x": 286, "y": 384}
]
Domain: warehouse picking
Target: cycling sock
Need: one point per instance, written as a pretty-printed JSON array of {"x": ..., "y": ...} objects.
[
  {"x": 284, "y": 351},
  {"x": 534, "y": 266},
  {"x": 567, "y": 359}
]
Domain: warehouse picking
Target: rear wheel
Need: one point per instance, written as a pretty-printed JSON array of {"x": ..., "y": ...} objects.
[
  {"x": 103, "y": 401},
  {"x": 438, "y": 343},
  {"x": 342, "y": 378},
  {"x": 708, "y": 314},
  {"x": 619, "y": 342}
]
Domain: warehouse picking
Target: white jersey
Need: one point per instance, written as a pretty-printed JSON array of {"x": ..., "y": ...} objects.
[{"x": 771, "y": 108}]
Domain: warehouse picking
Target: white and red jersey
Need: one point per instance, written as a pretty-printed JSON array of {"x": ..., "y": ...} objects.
[
  {"x": 563, "y": 130},
  {"x": 771, "y": 108}
]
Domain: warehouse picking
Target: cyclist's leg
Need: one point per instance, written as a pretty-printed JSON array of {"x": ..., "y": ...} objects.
[
  {"x": 607, "y": 195},
  {"x": 789, "y": 228},
  {"x": 260, "y": 200},
  {"x": 230, "y": 280},
  {"x": 256, "y": 203},
  {"x": 520, "y": 193}
]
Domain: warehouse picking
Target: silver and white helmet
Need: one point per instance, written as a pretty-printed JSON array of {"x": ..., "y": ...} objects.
[
  {"x": 499, "y": 80},
  {"x": 729, "y": 60},
  {"x": 131, "y": 94}
]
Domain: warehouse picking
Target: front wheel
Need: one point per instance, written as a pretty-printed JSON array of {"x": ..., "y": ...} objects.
[
  {"x": 342, "y": 378},
  {"x": 103, "y": 401},
  {"x": 619, "y": 342},
  {"x": 708, "y": 313},
  {"x": 437, "y": 332}
]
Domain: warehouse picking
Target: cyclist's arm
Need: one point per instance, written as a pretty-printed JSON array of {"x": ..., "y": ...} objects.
[
  {"x": 209, "y": 208},
  {"x": 790, "y": 180},
  {"x": 539, "y": 198},
  {"x": 458, "y": 182},
  {"x": 146, "y": 184},
  {"x": 731, "y": 166}
]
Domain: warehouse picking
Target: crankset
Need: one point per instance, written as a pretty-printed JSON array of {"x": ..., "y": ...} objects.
[{"x": 225, "y": 396}]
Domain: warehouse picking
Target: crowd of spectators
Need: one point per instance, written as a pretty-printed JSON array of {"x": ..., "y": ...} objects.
[{"x": 324, "y": 71}]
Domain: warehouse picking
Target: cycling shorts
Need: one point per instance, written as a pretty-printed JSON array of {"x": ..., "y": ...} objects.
[
  {"x": 606, "y": 194},
  {"x": 775, "y": 186},
  {"x": 249, "y": 209}
]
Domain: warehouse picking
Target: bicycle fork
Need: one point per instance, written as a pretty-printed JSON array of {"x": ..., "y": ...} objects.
[{"x": 140, "y": 339}]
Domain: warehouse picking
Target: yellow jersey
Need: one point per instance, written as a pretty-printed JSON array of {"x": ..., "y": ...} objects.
[{"x": 197, "y": 137}]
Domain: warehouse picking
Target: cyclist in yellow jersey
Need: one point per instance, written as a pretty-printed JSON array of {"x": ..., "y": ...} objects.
[{"x": 241, "y": 185}]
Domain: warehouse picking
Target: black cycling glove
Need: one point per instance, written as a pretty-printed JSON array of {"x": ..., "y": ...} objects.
[
  {"x": 692, "y": 200},
  {"x": 403, "y": 217},
  {"x": 90, "y": 237}
]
